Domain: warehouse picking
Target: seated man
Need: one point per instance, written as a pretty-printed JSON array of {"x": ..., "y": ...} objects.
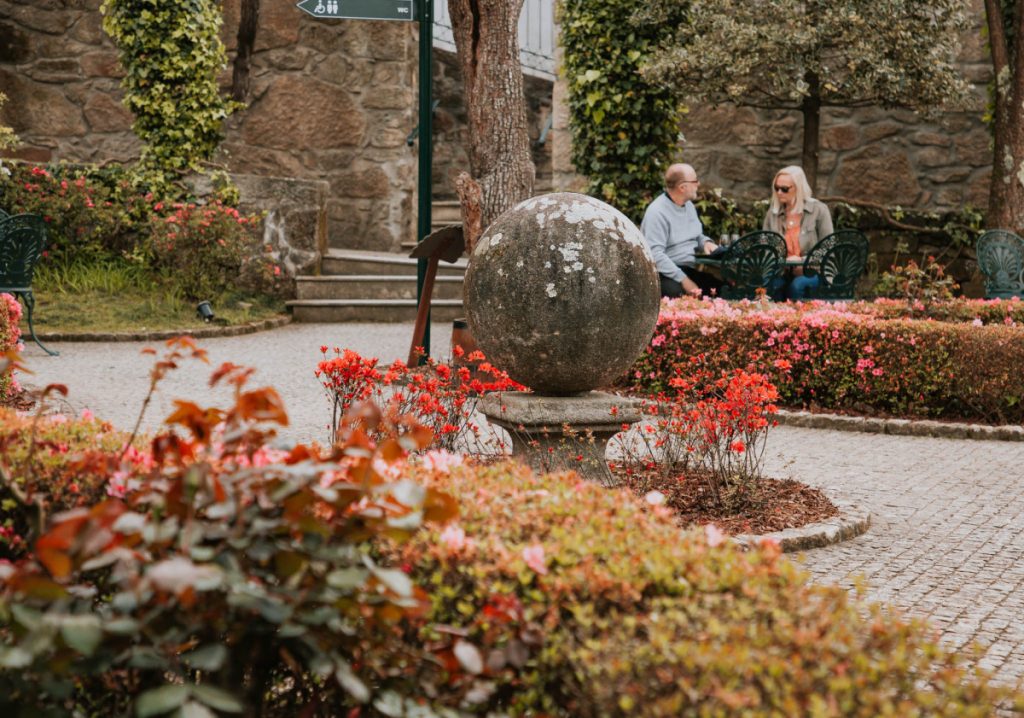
[{"x": 673, "y": 233}]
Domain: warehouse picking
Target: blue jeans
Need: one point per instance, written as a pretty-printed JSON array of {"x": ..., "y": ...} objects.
[{"x": 799, "y": 287}]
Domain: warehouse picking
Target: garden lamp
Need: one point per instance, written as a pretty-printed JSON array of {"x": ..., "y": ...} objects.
[{"x": 205, "y": 311}]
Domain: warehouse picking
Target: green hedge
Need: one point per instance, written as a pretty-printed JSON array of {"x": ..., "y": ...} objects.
[
  {"x": 10, "y": 336},
  {"x": 832, "y": 357},
  {"x": 574, "y": 600}
]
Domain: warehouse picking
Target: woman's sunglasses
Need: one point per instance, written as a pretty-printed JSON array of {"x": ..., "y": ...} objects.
[{"x": 784, "y": 190}]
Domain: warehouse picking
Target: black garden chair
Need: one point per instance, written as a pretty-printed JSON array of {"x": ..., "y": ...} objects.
[
  {"x": 1001, "y": 260},
  {"x": 753, "y": 263},
  {"x": 22, "y": 241},
  {"x": 838, "y": 260}
]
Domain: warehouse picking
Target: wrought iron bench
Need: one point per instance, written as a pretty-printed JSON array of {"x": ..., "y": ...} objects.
[
  {"x": 1001, "y": 260},
  {"x": 22, "y": 240},
  {"x": 751, "y": 264},
  {"x": 838, "y": 260}
]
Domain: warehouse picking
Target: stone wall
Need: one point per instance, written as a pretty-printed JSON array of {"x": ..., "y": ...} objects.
[
  {"x": 328, "y": 100},
  {"x": 892, "y": 157}
]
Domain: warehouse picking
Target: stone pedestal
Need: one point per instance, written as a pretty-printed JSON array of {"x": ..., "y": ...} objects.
[{"x": 553, "y": 433}]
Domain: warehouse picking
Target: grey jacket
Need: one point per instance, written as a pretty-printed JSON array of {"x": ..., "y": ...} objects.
[{"x": 814, "y": 227}]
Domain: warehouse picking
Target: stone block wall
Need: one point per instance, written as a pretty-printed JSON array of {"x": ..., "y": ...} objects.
[{"x": 329, "y": 101}]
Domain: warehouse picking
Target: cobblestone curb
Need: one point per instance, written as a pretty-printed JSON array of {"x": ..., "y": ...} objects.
[
  {"x": 901, "y": 427},
  {"x": 204, "y": 333},
  {"x": 852, "y": 521}
]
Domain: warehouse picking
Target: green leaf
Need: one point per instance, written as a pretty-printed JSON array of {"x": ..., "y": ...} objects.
[
  {"x": 347, "y": 579},
  {"x": 218, "y": 699},
  {"x": 206, "y": 658},
  {"x": 194, "y": 710},
  {"x": 161, "y": 700},
  {"x": 82, "y": 633},
  {"x": 396, "y": 581}
]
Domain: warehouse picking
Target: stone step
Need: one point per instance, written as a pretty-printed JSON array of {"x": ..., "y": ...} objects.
[
  {"x": 370, "y": 310},
  {"x": 373, "y": 286},
  {"x": 356, "y": 261}
]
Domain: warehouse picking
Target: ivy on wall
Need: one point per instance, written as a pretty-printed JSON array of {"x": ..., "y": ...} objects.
[
  {"x": 625, "y": 129},
  {"x": 171, "y": 53}
]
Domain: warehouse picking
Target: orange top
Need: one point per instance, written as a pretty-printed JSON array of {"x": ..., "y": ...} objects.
[{"x": 793, "y": 236}]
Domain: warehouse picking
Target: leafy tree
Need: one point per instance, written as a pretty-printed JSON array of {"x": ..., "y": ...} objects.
[
  {"x": 625, "y": 129},
  {"x": 803, "y": 55},
  {"x": 1006, "y": 194}
]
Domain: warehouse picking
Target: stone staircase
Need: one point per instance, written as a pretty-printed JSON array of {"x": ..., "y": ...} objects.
[{"x": 361, "y": 286}]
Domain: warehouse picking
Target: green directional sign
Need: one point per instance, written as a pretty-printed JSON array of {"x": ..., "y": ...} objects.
[{"x": 360, "y": 9}]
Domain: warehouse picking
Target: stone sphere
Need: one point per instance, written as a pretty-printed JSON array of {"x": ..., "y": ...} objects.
[{"x": 562, "y": 293}]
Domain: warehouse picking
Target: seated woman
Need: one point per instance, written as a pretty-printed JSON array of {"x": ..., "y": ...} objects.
[{"x": 801, "y": 219}]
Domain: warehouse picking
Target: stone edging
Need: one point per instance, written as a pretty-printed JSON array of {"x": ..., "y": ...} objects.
[
  {"x": 901, "y": 427},
  {"x": 203, "y": 333},
  {"x": 852, "y": 521}
]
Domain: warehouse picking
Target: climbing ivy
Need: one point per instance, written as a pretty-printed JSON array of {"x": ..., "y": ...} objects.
[
  {"x": 171, "y": 53},
  {"x": 625, "y": 130}
]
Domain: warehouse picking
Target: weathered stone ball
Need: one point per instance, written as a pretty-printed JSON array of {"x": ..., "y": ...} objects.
[{"x": 562, "y": 293}]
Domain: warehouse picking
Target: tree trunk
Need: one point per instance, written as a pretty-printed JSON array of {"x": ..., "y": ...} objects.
[
  {"x": 1006, "y": 192},
  {"x": 487, "y": 40},
  {"x": 247, "y": 24},
  {"x": 811, "y": 108}
]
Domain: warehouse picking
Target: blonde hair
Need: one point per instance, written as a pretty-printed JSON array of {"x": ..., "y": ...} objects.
[{"x": 801, "y": 189}]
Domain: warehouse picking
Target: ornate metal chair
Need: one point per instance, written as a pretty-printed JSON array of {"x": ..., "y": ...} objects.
[
  {"x": 839, "y": 259},
  {"x": 1001, "y": 260},
  {"x": 752, "y": 263},
  {"x": 22, "y": 240}
]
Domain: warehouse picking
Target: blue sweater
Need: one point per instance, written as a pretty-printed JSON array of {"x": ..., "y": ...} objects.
[{"x": 672, "y": 233}]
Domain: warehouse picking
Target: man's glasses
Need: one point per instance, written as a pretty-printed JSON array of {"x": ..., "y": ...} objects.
[
  {"x": 690, "y": 182},
  {"x": 783, "y": 190}
]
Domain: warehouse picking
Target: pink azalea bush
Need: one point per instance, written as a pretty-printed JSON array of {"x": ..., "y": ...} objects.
[
  {"x": 867, "y": 357},
  {"x": 10, "y": 340}
]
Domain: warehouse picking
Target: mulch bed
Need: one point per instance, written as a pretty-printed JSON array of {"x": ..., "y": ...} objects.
[{"x": 769, "y": 504}]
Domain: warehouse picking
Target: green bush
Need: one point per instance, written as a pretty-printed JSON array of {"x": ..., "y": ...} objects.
[
  {"x": 235, "y": 578},
  {"x": 558, "y": 597},
  {"x": 208, "y": 248},
  {"x": 838, "y": 357}
]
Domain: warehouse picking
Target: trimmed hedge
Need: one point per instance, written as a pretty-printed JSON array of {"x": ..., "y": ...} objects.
[
  {"x": 563, "y": 598},
  {"x": 832, "y": 357}
]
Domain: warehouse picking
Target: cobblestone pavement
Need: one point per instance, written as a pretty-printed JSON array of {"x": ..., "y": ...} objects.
[
  {"x": 946, "y": 540},
  {"x": 947, "y": 536}
]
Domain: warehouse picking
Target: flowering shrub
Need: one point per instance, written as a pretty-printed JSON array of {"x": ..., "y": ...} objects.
[
  {"x": 10, "y": 340},
  {"x": 87, "y": 219},
  {"x": 554, "y": 596},
  {"x": 829, "y": 356},
  {"x": 63, "y": 463},
  {"x": 207, "y": 248},
  {"x": 233, "y": 578},
  {"x": 437, "y": 396},
  {"x": 918, "y": 286},
  {"x": 717, "y": 426}
]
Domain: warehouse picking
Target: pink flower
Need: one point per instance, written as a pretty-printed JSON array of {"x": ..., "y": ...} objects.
[
  {"x": 441, "y": 461},
  {"x": 87, "y": 415},
  {"x": 534, "y": 557},
  {"x": 714, "y": 535},
  {"x": 454, "y": 537},
  {"x": 654, "y": 498},
  {"x": 977, "y": 322}
]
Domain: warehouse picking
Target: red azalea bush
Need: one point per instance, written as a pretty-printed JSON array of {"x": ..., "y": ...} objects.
[
  {"x": 832, "y": 357},
  {"x": 210, "y": 247},
  {"x": 86, "y": 218},
  {"x": 716, "y": 424},
  {"x": 439, "y": 396},
  {"x": 10, "y": 341}
]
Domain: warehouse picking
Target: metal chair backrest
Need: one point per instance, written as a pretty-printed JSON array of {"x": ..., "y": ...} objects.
[
  {"x": 753, "y": 262},
  {"x": 839, "y": 260},
  {"x": 22, "y": 241},
  {"x": 1001, "y": 260}
]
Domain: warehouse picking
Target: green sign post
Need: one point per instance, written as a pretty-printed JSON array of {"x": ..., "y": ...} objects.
[
  {"x": 360, "y": 9},
  {"x": 422, "y": 11}
]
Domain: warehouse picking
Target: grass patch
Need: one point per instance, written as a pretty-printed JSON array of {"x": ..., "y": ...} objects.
[{"x": 118, "y": 296}]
